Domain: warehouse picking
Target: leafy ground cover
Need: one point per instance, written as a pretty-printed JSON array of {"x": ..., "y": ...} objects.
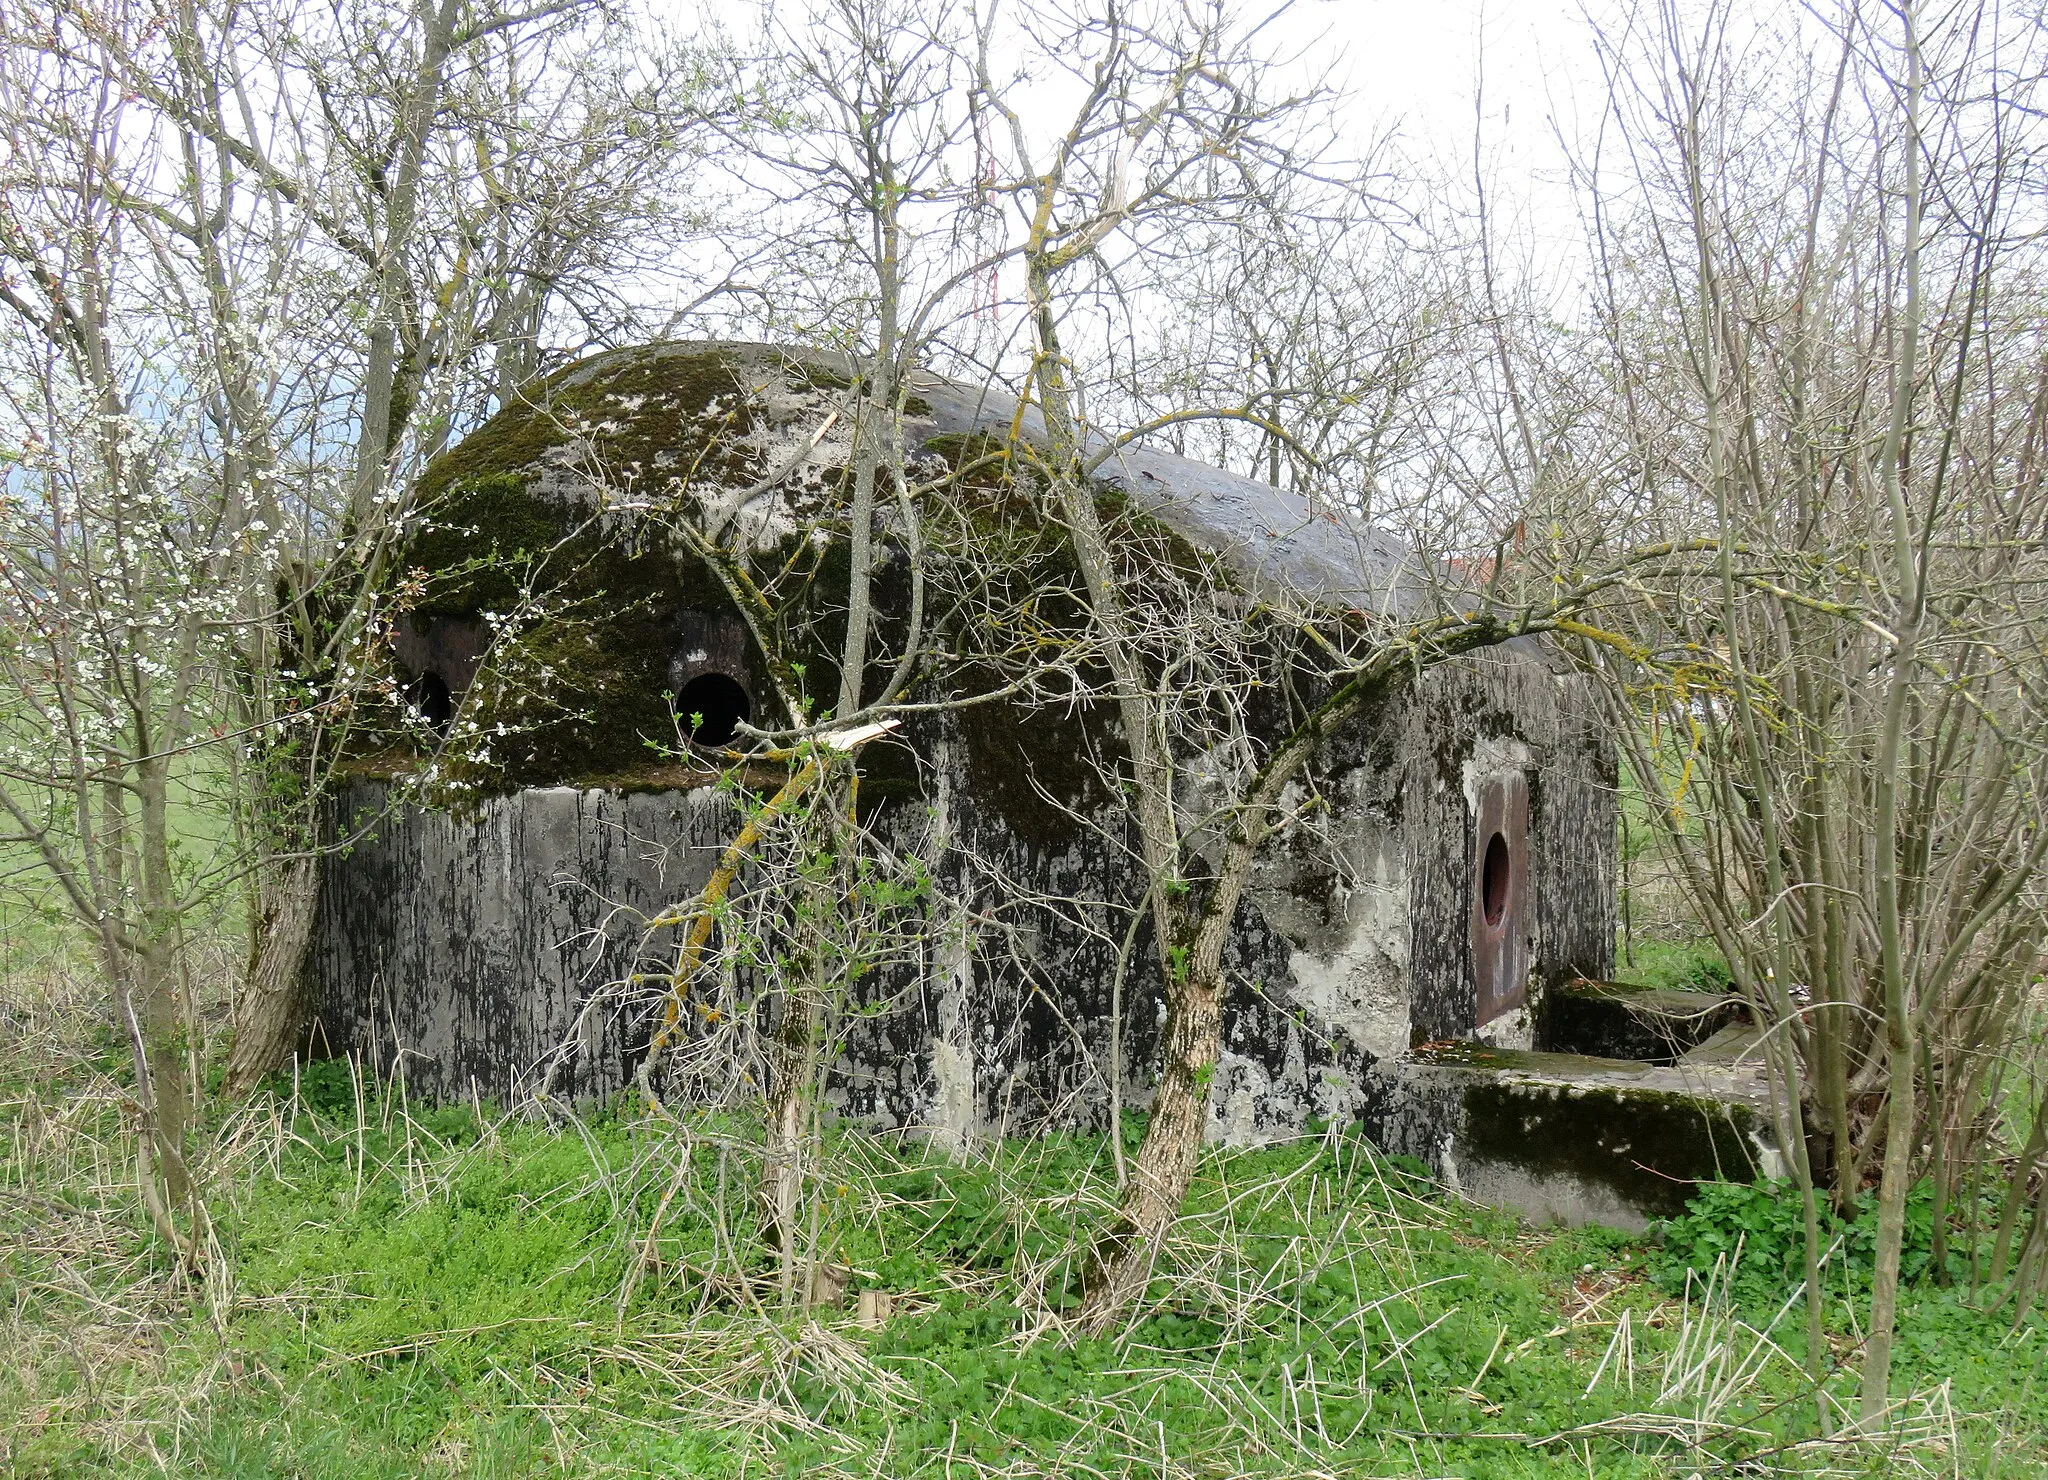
[{"x": 405, "y": 1291}]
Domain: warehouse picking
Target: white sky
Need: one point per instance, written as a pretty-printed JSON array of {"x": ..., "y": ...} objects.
[
  {"x": 1418, "y": 60},
  {"x": 1416, "y": 65}
]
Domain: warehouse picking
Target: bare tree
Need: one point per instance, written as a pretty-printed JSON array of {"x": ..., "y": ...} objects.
[
  {"x": 209, "y": 428},
  {"x": 1822, "y": 315},
  {"x": 1174, "y": 125},
  {"x": 872, "y": 105}
]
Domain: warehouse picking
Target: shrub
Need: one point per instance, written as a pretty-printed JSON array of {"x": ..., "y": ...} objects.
[{"x": 1759, "y": 1228}]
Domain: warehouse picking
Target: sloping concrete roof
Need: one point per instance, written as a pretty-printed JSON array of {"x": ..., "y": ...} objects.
[{"x": 1273, "y": 537}]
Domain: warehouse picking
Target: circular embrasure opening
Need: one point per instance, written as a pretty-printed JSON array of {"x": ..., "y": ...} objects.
[
  {"x": 430, "y": 695},
  {"x": 1494, "y": 879},
  {"x": 711, "y": 707}
]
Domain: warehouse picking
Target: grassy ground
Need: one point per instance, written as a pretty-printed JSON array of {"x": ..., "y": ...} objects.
[{"x": 437, "y": 1292}]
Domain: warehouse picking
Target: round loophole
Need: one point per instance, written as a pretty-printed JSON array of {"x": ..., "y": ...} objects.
[
  {"x": 1494, "y": 877},
  {"x": 430, "y": 695},
  {"x": 711, "y": 707}
]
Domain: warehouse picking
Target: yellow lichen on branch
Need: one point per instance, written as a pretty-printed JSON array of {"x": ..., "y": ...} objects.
[{"x": 703, "y": 911}]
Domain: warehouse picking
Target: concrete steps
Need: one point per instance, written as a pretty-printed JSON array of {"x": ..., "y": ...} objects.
[
  {"x": 1632, "y": 1098},
  {"x": 1623, "y": 1020}
]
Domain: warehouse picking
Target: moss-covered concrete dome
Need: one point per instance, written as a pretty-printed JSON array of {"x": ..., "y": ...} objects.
[
  {"x": 558, "y": 520},
  {"x": 567, "y": 618},
  {"x": 552, "y": 532}
]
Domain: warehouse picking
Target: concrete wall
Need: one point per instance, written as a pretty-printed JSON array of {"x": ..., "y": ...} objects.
[
  {"x": 1476, "y": 718},
  {"x": 462, "y": 950},
  {"x": 476, "y": 950}
]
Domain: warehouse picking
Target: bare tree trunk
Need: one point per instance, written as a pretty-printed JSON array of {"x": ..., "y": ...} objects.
[
  {"x": 270, "y": 1015},
  {"x": 1121, "y": 1261},
  {"x": 160, "y": 1171},
  {"x": 2016, "y": 1193},
  {"x": 792, "y": 1075},
  {"x": 1164, "y": 1168},
  {"x": 1909, "y": 583},
  {"x": 1891, "y": 1226},
  {"x": 875, "y": 456},
  {"x": 151, "y": 1003},
  {"x": 158, "y": 1020}
]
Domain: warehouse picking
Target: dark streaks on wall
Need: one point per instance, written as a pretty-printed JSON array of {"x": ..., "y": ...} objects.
[{"x": 471, "y": 948}]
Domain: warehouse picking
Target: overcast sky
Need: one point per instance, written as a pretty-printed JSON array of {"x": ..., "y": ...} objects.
[
  {"x": 1417, "y": 68},
  {"x": 1419, "y": 60},
  {"x": 1417, "y": 65}
]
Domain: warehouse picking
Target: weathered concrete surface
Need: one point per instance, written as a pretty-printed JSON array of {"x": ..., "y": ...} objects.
[
  {"x": 1622, "y": 1020},
  {"x": 470, "y": 952},
  {"x": 485, "y": 952},
  {"x": 1492, "y": 712},
  {"x": 489, "y": 949},
  {"x": 1285, "y": 542},
  {"x": 482, "y": 952},
  {"x": 1571, "y": 1139}
]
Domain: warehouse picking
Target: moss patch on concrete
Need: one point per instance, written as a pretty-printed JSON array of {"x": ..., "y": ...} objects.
[
  {"x": 1647, "y": 1148},
  {"x": 1628, "y": 1020},
  {"x": 636, "y": 417},
  {"x": 555, "y": 510},
  {"x": 577, "y": 686},
  {"x": 1039, "y": 765}
]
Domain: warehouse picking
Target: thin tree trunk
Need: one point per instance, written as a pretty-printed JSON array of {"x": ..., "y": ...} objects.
[
  {"x": 270, "y": 1017},
  {"x": 151, "y": 1004},
  {"x": 792, "y": 1070},
  {"x": 1891, "y": 1227},
  {"x": 160, "y": 1015},
  {"x": 875, "y": 453},
  {"x": 2016, "y": 1192},
  {"x": 1907, "y": 573},
  {"x": 160, "y": 1171},
  {"x": 1121, "y": 1262}
]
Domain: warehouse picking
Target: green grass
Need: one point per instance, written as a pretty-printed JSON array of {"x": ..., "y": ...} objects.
[
  {"x": 38, "y": 928},
  {"x": 418, "y": 1293},
  {"x": 1688, "y": 965}
]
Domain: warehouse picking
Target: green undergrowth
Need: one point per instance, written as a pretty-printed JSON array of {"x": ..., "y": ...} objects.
[
  {"x": 1752, "y": 1238},
  {"x": 420, "y": 1291},
  {"x": 1682, "y": 965},
  {"x": 1761, "y": 1229}
]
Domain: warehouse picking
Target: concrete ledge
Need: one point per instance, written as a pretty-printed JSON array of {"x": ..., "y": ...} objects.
[
  {"x": 1571, "y": 1139},
  {"x": 1624, "y": 1020}
]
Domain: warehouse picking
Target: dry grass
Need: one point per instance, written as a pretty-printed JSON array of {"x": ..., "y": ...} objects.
[{"x": 1349, "y": 1322}]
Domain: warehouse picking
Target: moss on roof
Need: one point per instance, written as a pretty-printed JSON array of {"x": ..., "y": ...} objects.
[
  {"x": 634, "y": 417},
  {"x": 558, "y": 503}
]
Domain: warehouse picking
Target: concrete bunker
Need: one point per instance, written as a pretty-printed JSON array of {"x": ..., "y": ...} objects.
[{"x": 1456, "y": 877}]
